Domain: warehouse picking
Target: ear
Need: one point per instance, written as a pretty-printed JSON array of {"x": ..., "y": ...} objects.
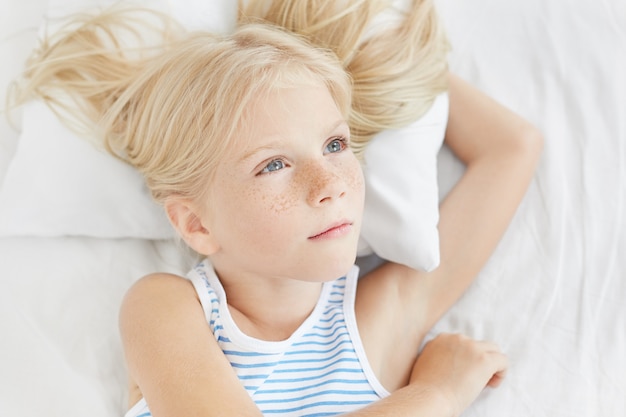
[{"x": 187, "y": 219}]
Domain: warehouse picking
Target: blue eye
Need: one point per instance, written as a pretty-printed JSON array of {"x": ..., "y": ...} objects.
[
  {"x": 273, "y": 166},
  {"x": 336, "y": 145}
]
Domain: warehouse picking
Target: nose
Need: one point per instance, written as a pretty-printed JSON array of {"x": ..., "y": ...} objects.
[{"x": 324, "y": 183}]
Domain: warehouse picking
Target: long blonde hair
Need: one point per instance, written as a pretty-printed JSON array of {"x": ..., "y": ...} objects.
[
  {"x": 397, "y": 69},
  {"x": 174, "y": 110}
]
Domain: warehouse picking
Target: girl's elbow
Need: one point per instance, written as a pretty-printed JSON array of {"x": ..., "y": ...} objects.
[
  {"x": 528, "y": 143},
  {"x": 533, "y": 137}
]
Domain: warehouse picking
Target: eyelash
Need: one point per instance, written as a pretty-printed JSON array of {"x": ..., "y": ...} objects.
[
  {"x": 265, "y": 169},
  {"x": 344, "y": 143},
  {"x": 341, "y": 139}
]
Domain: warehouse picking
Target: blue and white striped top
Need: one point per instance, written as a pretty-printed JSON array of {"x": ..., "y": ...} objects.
[{"x": 321, "y": 370}]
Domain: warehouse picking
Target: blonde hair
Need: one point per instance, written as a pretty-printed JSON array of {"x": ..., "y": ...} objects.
[
  {"x": 172, "y": 111},
  {"x": 397, "y": 71},
  {"x": 173, "y": 108}
]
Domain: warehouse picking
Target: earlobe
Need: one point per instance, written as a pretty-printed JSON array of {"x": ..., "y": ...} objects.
[{"x": 188, "y": 222}]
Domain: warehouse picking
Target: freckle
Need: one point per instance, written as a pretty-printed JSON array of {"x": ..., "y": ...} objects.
[{"x": 285, "y": 202}]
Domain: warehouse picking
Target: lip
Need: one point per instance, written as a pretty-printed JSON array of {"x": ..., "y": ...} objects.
[{"x": 335, "y": 230}]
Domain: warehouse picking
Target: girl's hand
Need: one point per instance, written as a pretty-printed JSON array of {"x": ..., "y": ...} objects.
[{"x": 458, "y": 368}]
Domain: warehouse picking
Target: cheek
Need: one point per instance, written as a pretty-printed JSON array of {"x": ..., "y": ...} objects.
[
  {"x": 259, "y": 207},
  {"x": 282, "y": 203},
  {"x": 267, "y": 221},
  {"x": 250, "y": 217},
  {"x": 354, "y": 177}
]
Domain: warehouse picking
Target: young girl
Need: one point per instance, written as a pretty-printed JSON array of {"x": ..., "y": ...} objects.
[{"x": 245, "y": 140}]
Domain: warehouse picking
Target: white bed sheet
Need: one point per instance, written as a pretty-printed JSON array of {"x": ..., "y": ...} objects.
[{"x": 553, "y": 295}]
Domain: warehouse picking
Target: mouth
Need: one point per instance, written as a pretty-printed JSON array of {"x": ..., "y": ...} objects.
[{"x": 335, "y": 230}]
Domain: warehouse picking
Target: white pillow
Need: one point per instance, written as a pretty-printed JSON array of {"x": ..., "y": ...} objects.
[
  {"x": 402, "y": 196},
  {"x": 59, "y": 184}
]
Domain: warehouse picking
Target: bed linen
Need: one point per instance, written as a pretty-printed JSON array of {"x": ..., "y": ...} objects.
[{"x": 553, "y": 295}]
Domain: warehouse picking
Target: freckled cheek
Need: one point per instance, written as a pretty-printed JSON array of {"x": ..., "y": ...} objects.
[
  {"x": 271, "y": 204},
  {"x": 271, "y": 218},
  {"x": 251, "y": 216},
  {"x": 357, "y": 181},
  {"x": 283, "y": 204},
  {"x": 353, "y": 175}
]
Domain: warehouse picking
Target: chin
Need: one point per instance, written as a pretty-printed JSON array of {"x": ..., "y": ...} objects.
[
  {"x": 324, "y": 269},
  {"x": 337, "y": 268},
  {"x": 330, "y": 263}
]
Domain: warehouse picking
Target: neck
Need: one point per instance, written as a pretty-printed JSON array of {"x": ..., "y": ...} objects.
[{"x": 270, "y": 308}]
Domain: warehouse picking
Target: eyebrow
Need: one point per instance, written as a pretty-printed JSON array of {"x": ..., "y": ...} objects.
[{"x": 279, "y": 143}]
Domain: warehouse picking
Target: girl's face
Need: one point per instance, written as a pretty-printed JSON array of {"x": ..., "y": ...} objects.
[{"x": 287, "y": 200}]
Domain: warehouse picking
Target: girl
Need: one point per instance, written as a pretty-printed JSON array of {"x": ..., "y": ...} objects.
[{"x": 245, "y": 140}]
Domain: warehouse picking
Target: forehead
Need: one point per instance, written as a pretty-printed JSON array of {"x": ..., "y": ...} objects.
[{"x": 287, "y": 112}]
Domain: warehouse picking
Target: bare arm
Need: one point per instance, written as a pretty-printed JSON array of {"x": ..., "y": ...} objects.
[
  {"x": 173, "y": 356},
  {"x": 500, "y": 150}
]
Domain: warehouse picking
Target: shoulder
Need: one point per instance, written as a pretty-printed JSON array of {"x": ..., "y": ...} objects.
[
  {"x": 154, "y": 306},
  {"x": 157, "y": 282},
  {"x": 156, "y": 290},
  {"x": 172, "y": 355}
]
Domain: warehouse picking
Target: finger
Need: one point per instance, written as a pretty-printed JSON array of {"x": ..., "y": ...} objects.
[
  {"x": 500, "y": 364},
  {"x": 496, "y": 379}
]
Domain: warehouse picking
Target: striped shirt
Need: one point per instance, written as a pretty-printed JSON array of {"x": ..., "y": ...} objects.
[{"x": 320, "y": 370}]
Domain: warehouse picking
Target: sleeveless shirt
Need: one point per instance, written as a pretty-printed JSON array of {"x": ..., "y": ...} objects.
[{"x": 320, "y": 370}]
